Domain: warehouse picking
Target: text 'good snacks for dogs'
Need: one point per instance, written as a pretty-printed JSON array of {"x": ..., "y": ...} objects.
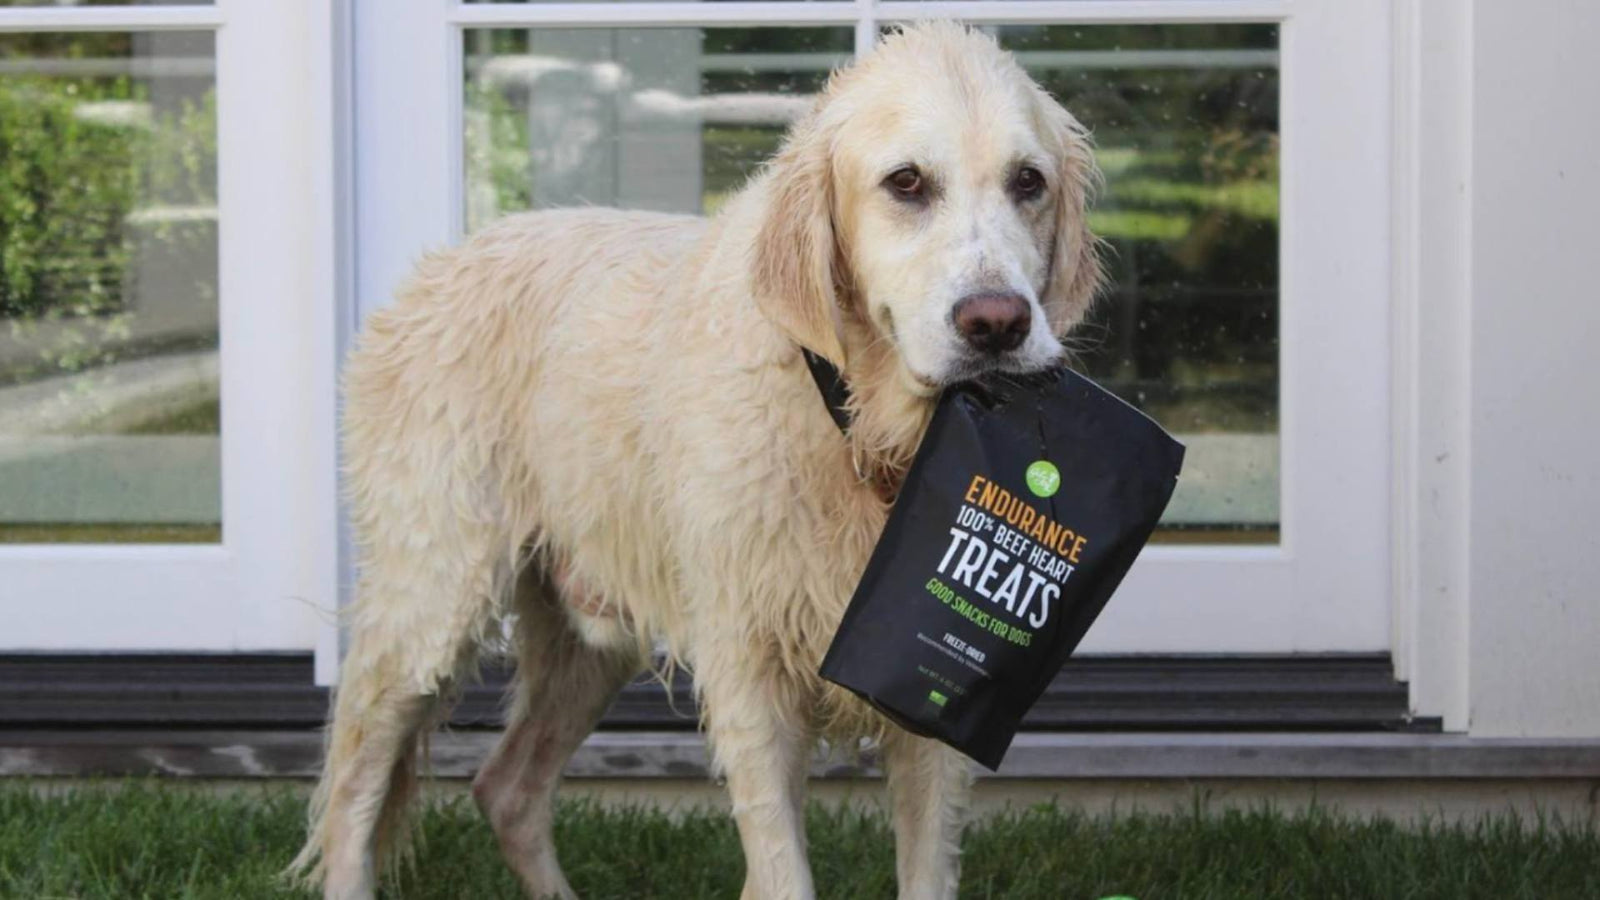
[{"x": 1027, "y": 502}]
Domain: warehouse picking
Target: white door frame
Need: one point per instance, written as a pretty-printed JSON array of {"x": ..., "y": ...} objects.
[
  {"x": 270, "y": 584},
  {"x": 1432, "y": 289},
  {"x": 1326, "y": 586}
]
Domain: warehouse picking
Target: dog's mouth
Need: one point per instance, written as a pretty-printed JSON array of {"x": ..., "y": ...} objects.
[
  {"x": 919, "y": 384},
  {"x": 966, "y": 366},
  {"x": 981, "y": 367}
]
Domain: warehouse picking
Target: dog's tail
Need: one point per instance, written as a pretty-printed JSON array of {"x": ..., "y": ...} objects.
[
  {"x": 366, "y": 741},
  {"x": 308, "y": 867}
]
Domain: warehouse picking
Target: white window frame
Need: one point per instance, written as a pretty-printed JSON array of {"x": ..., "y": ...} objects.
[
  {"x": 271, "y": 582},
  {"x": 1327, "y": 585}
]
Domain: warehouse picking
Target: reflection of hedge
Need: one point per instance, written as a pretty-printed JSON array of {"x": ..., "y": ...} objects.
[
  {"x": 70, "y": 174},
  {"x": 497, "y": 150},
  {"x": 65, "y": 187}
]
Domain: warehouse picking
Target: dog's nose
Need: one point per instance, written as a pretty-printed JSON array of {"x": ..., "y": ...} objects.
[{"x": 993, "y": 323}]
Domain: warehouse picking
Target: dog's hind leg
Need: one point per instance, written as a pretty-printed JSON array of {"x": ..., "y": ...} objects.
[
  {"x": 928, "y": 787},
  {"x": 564, "y": 685},
  {"x": 415, "y": 629}
]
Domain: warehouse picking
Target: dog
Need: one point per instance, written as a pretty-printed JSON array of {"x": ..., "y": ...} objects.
[{"x": 594, "y": 431}]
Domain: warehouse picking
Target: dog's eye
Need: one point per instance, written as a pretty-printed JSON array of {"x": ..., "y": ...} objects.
[
  {"x": 1028, "y": 183},
  {"x": 906, "y": 183}
]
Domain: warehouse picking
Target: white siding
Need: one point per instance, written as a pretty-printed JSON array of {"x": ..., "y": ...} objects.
[{"x": 1534, "y": 558}]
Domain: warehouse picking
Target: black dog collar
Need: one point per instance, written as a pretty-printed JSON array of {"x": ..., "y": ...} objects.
[
  {"x": 836, "y": 396},
  {"x": 830, "y": 383}
]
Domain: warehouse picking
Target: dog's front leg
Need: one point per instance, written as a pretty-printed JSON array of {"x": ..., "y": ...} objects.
[
  {"x": 928, "y": 786},
  {"x": 761, "y": 744}
]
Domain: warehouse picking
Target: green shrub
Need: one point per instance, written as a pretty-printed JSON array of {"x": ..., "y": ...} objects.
[
  {"x": 65, "y": 187},
  {"x": 68, "y": 182}
]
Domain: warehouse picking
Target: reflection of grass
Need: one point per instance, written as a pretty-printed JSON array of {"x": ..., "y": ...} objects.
[
  {"x": 1256, "y": 199},
  {"x": 1117, "y": 160},
  {"x": 1137, "y": 225},
  {"x": 1203, "y": 397},
  {"x": 108, "y": 533},
  {"x": 184, "y": 409},
  {"x": 204, "y": 417},
  {"x": 1198, "y": 412}
]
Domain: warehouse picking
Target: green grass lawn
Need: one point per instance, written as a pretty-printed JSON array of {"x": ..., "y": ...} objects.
[{"x": 146, "y": 840}]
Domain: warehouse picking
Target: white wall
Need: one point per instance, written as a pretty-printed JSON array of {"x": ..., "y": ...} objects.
[{"x": 1533, "y": 552}]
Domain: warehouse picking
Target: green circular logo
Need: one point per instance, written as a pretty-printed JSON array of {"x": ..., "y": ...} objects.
[{"x": 1043, "y": 478}]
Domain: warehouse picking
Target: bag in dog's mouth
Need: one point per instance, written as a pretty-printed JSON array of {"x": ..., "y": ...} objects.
[{"x": 1027, "y": 502}]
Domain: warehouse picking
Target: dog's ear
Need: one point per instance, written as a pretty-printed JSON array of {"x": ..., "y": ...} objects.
[
  {"x": 796, "y": 254},
  {"x": 1075, "y": 269}
]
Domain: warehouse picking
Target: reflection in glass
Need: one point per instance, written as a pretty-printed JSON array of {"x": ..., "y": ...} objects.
[
  {"x": 109, "y": 403},
  {"x": 669, "y": 119},
  {"x": 1186, "y": 119},
  {"x": 1186, "y": 122}
]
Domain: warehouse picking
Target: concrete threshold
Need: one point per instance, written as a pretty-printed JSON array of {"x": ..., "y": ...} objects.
[
  {"x": 682, "y": 755},
  {"x": 1408, "y": 778}
]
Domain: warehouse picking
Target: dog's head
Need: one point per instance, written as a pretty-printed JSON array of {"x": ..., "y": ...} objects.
[{"x": 935, "y": 195}]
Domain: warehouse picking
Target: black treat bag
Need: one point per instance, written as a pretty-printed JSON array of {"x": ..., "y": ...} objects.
[{"x": 1026, "y": 504}]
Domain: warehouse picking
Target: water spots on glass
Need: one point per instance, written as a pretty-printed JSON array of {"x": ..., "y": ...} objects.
[{"x": 1185, "y": 119}]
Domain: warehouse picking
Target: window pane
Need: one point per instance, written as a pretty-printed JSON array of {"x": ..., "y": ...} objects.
[
  {"x": 109, "y": 403},
  {"x": 669, "y": 119},
  {"x": 1185, "y": 118}
]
